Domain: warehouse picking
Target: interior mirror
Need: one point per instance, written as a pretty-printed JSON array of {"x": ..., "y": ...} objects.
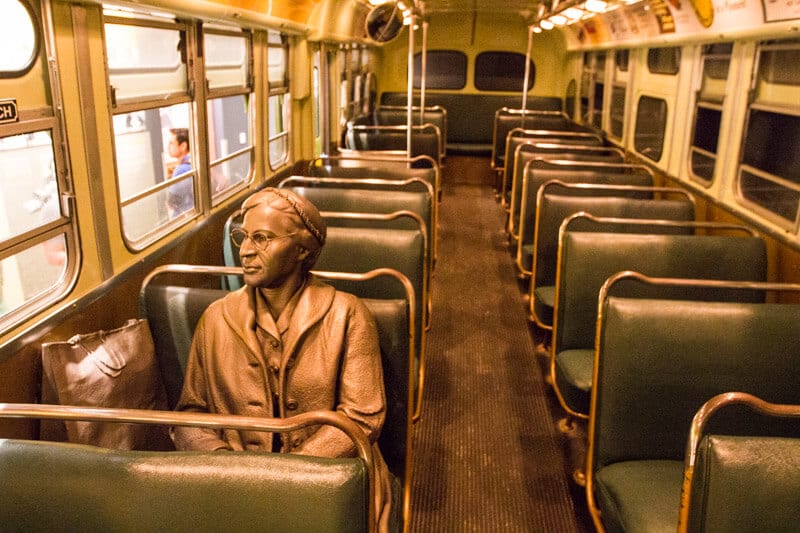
[{"x": 384, "y": 22}]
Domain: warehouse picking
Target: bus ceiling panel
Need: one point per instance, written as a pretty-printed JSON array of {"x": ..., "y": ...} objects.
[
  {"x": 289, "y": 16},
  {"x": 621, "y": 23}
]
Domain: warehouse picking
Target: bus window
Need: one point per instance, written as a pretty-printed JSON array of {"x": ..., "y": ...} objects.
[
  {"x": 153, "y": 124},
  {"x": 708, "y": 111},
  {"x": 230, "y": 146},
  {"x": 769, "y": 170},
  {"x": 19, "y": 39},
  {"x": 599, "y": 89},
  {"x": 38, "y": 252},
  {"x": 664, "y": 60},
  {"x": 651, "y": 121},
  {"x": 278, "y": 100},
  {"x": 502, "y": 71},
  {"x": 446, "y": 69},
  {"x": 36, "y": 263}
]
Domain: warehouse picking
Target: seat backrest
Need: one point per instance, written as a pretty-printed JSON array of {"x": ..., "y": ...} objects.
[
  {"x": 172, "y": 311},
  {"x": 658, "y": 360},
  {"x": 534, "y": 152},
  {"x": 555, "y": 203},
  {"x": 425, "y": 140},
  {"x": 52, "y": 486},
  {"x": 398, "y": 115},
  {"x": 343, "y": 199},
  {"x": 470, "y": 116},
  {"x": 366, "y": 168},
  {"x": 746, "y": 482},
  {"x": 739, "y": 487},
  {"x": 534, "y": 178},
  {"x": 587, "y": 259},
  {"x": 506, "y": 120}
]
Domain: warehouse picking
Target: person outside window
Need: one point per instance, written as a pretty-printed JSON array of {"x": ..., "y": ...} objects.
[{"x": 180, "y": 196}]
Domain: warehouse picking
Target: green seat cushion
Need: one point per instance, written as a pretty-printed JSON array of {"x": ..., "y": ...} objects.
[
  {"x": 574, "y": 377},
  {"x": 544, "y": 298},
  {"x": 527, "y": 256},
  {"x": 639, "y": 496}
]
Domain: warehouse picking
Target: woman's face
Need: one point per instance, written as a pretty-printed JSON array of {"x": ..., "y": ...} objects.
[{"x": 281, "y": 260}]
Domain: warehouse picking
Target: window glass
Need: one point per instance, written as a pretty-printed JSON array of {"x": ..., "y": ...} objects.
[
  {"x": 769, "y": 173},
  {"x": 617, "y": 117},
  {"x": 229, "y": 116},
  {"x": 586, "y": 84},
  {"x": 27, "y": 175},
  {"x": 770, "y": 169},
  {"x": 597, "y": 104},
  {"x": 445, "y": 69},
  {"x": 227, "y": 60},
  {"x": 29, "y": 202},
  {"x": 778, "y": 80},
  {"x": 651, "y": 121},
  {"x": 621, "y": 60},
  {"x": 664, "y": 60},
  {"x": 32, "y": 274},
  {"x": 278, "y": 100},
  {"x": 18, "y": 39},
  {"x": 716, "y": 60},
  {"x": 278, "y": 136},
  {"x": 277, "y": 59},
  {"x": 145, "y": 62},
  {"x": 708, "y": 111},
  {"x": 230, "y": 146},
  {"x": 153, "y": 147},
  {"x": 778, "y": 63},
  {"x": 569, "y": 101},
  {"x": 704, "y": 142},
  {"x": 502, "y": 71}
]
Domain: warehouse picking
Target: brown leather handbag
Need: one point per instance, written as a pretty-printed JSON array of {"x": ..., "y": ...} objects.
[{"x": 114, "y": 368}]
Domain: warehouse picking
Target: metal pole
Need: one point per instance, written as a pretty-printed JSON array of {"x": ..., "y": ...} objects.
[
  {"x": 424, "y": 74},
  {"x": 527, "y": 73},
  {"x": 324, "y": 99},
  {"x": 410, "y": 82}
]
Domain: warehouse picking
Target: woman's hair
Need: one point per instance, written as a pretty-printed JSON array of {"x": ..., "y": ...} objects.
[{"x": 310, "y": 224}]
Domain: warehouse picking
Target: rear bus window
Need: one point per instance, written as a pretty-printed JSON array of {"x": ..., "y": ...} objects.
[
  {"x": 502, "y": 71},
  {"x": 445, "y": 69}
]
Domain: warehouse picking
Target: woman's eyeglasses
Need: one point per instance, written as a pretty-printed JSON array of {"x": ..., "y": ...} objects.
[{"x": 259, "y": 238}]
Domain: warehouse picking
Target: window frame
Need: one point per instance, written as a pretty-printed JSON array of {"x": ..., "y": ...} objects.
[
  {"x": 776, "y": 106},
  {"x": 134, "y": 104},
  {"x": 48, "y": 119},
  {"x": 713, "y": 104},
  {"x": 279, "y": 91}
]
